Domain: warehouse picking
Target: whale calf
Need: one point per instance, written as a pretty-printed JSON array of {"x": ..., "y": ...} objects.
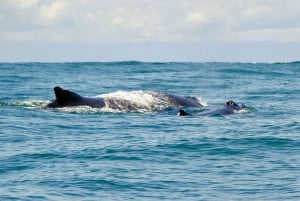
[
  {"x": 140, "y": 100},
  {"x": 229, "y": 108}
]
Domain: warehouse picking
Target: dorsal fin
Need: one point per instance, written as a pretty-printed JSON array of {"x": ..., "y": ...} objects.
[
  {"x": 182, "y": 113},
  {"x": 64, "y": 97}
]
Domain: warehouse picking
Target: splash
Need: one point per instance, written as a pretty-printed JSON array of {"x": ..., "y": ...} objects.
[
  {"x": 202, "y": 102},
  {"x": 135, "y": 100},
  {"x": 242, "y": 111},
  {"x": 27, "y": 104}
]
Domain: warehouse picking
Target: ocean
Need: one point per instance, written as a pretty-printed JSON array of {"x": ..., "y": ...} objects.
[{"x": 82, "y": 153}]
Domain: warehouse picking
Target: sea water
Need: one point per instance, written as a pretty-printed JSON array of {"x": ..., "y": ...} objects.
[{"x": 88, "y": 154}]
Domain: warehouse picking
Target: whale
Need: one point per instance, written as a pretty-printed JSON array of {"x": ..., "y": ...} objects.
[
  {"x": 156, "y": 100},
  {"x": 230, "y": 107}
]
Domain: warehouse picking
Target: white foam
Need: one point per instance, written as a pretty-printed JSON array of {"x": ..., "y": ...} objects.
[
  {"x": 31, "y": 103},
  {"x": 143, "y": 101},
  {"x": 242, "y": 111},
  {"x": 79, "y": 109}
]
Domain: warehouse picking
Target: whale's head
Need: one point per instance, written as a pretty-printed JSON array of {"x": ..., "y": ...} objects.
[
  {"x": 64, "y": 98},
  {"x": 234, "y": 106}
]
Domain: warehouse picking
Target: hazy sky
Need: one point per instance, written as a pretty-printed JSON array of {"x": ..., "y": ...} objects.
[{"x": 150, "y": 30}]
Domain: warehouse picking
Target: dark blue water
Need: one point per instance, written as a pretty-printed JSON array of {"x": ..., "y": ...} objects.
[{"x": 88, "y": 154}]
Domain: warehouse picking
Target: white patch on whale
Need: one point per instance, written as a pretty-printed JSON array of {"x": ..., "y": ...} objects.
[{"x": 142, "y": 101}]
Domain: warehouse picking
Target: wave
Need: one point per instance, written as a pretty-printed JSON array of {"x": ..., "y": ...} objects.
[
  {"x": 291, "y": 62},
  {"x": 232, "y": 146}
]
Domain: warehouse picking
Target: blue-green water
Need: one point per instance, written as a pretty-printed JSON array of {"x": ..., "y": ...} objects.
[{"x": 87, "y": 154}]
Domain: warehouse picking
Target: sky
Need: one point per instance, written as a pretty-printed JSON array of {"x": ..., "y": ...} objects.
[{"x": 150, "y": 30}]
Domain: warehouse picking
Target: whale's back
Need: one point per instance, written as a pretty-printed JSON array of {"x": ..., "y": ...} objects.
[{"x": 147, "y": 100}]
